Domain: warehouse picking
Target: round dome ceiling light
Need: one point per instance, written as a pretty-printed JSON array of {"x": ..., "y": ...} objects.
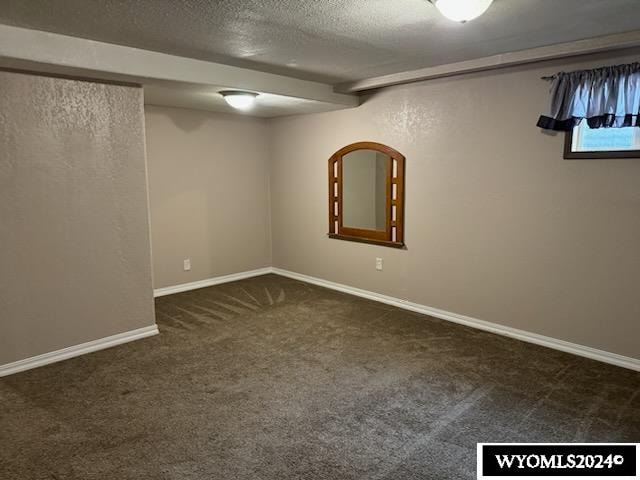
[
  {"x": 239, "y": 99},
  {"x": 462, "y": 10}
]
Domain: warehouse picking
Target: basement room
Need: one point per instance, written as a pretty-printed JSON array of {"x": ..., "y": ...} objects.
[{"x": 319, "y": 240}]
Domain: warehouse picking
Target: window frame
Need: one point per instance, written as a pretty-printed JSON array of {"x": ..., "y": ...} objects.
[{"x": 595, "y": 154}]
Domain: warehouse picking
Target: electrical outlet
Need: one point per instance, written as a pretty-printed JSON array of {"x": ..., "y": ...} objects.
[
  {"x": 378, "y": 264},
  {"x": 187, "y": 264}
]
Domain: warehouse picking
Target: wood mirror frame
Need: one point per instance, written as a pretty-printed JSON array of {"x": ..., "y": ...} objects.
[{"x": 393, "y": 234}]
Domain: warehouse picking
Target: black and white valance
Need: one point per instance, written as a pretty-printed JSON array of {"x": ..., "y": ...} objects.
[{"x": 606, "y": 97}]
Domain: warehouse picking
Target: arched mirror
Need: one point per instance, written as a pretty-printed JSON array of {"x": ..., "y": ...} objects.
[{"x": 366, "y": 194}]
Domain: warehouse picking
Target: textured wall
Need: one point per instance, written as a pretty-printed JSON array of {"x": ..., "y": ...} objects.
[
  {"x": 74, "y": 228},
  {"x": 209, "y": 194},
  {"x": 498, "y": 226}
]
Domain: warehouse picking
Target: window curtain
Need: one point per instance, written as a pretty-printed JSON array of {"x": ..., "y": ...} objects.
[{"x": 607, "y": 97}]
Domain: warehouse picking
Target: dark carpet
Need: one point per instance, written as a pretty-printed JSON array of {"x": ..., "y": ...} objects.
[{"x": 271, "y": 378}]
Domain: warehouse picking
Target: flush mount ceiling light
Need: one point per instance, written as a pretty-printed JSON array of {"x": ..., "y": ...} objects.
[
  {"x": 462, "y": 10},
  {"x": 239, "y": 99}
]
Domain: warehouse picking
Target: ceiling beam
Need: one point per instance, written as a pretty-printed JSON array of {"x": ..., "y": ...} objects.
[
  {"x": 551, "y": 52},
  {"x": 60, "y": 54}
]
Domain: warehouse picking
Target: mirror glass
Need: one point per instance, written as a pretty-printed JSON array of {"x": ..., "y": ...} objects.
[{"x": 364, "y": 189}]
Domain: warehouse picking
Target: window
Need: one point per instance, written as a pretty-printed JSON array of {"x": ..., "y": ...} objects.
[{"x": 585, "y": 142}]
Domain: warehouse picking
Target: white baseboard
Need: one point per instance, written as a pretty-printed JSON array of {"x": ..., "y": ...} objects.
[
  {"x": 581, "y": 350},
  {"x": 208, "y": 282},
  {"x": 77, "y": 350},
  {"x": 95, "y": 345}
]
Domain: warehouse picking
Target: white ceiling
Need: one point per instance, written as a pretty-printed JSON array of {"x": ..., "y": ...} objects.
[
  {"x": 323, "y": 40},
  {"x": 206, "y": 97},
  {"x": 167, "y": 79}
]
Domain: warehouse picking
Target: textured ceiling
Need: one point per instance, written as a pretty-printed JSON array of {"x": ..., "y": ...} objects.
[
  {"x": 206, "y": 97},
  {"x": 323, "y": 40}
]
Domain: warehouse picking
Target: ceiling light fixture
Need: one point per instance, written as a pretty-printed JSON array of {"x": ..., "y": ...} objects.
[
  {"x": 239, "y": 99},
  {"x": 462, "y": 10}
]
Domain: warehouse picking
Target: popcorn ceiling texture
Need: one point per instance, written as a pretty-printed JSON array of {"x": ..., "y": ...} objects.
[
  {"x": 75, "y": 256},
  {"x": 328, "y": 40}
]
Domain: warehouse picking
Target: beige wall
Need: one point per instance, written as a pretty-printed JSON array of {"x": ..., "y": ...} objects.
[
  {"x": 74, "y": 229},
  {"x": 209, "y": 194},
  {"x": 498, "y": 226}
]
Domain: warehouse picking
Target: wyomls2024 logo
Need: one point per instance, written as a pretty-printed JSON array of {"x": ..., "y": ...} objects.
[{"x": 594, "y": 461}]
